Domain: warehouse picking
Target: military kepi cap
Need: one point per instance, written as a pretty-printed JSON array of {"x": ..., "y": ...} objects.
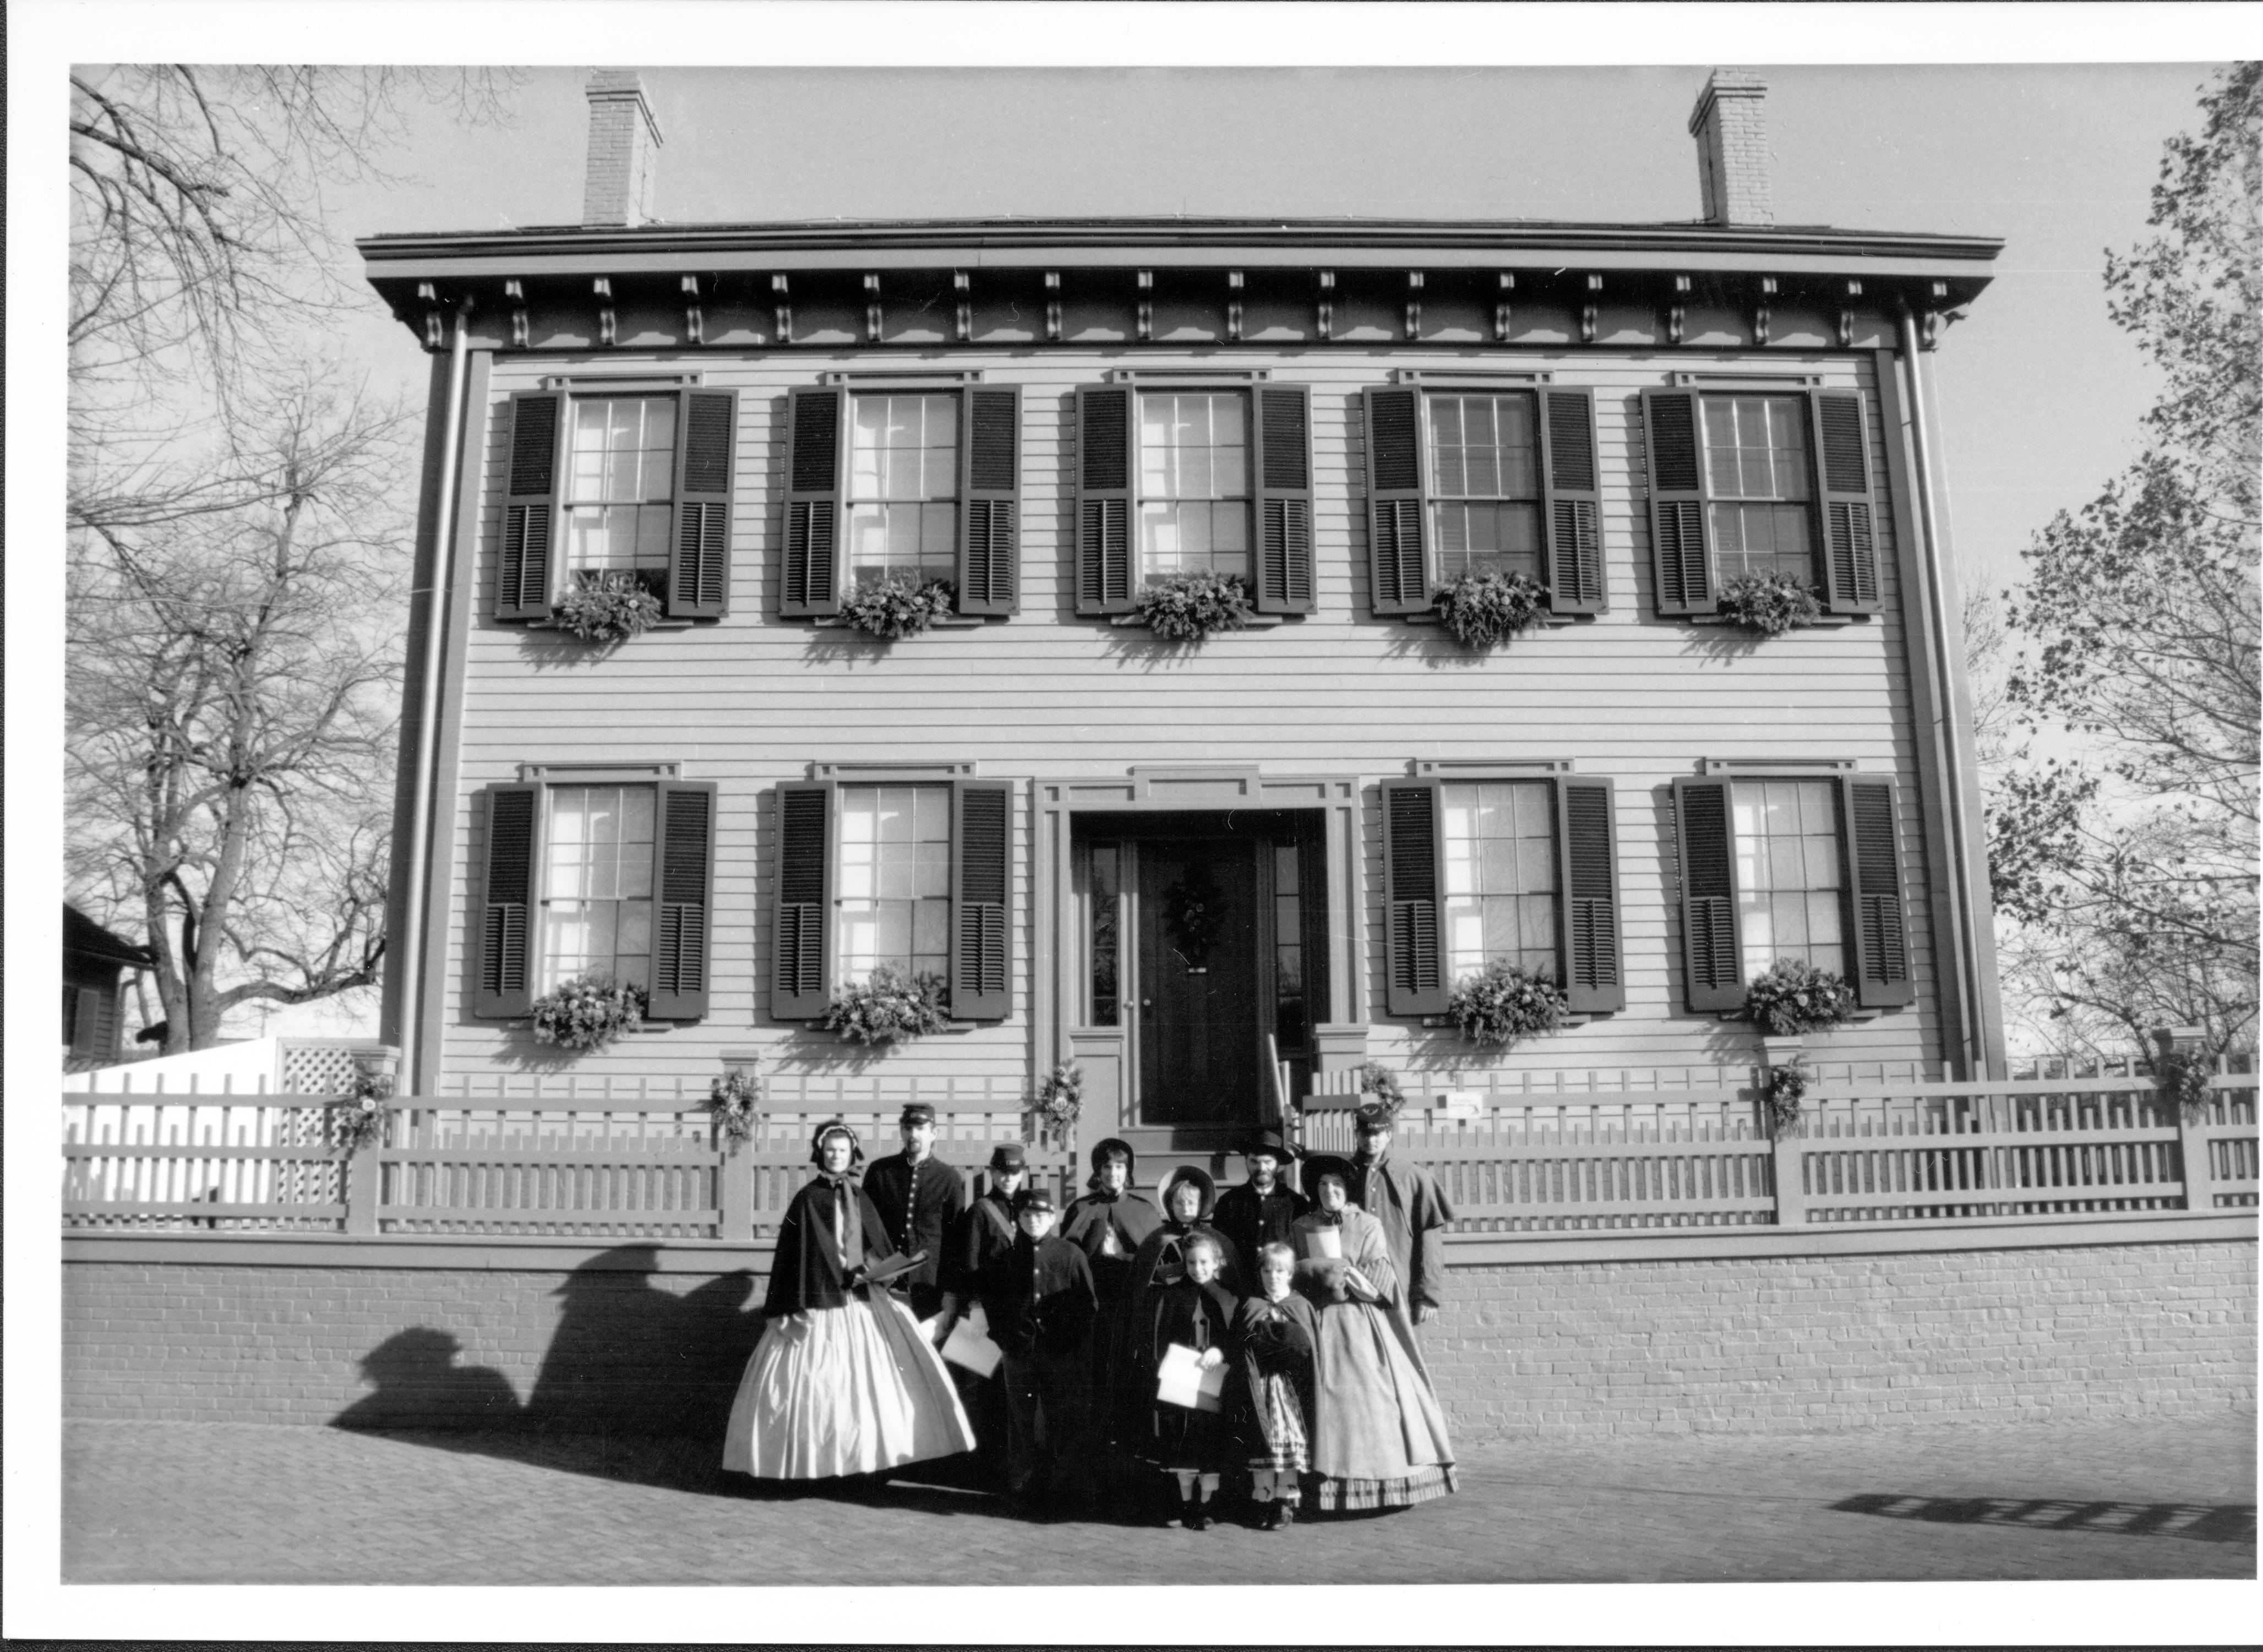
[
  {"x": 1037, "y": 1199},
  {"x": 1009, "y": 1155},
  {"x": 917, "y": 1112},
  {"x": 1374, "y": 1115}
]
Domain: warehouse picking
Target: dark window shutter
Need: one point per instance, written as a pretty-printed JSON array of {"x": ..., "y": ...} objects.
[
  {"x": 1589, "y": 877},
  {"x": 684, "y": 898},
  {"x": 810, "y": 579},
  {"x": 509, "y": 902},
  {"x": 529, "y": 510},
  {"x": 699, "y": 572},
  {"x": 1678, "y": 540},
  {"x": 990, "y": 503},
  {"x": 1845, "y": 515},
  {"x": 1870, "y": 831},
  {"x": 1105, "y": 578},
  {"x": 1412, "y": 894},
  {"x": 1398, "y": 573},
  {"x": 1282, "y": 444},
  {"x": 1711, "y": 960},
  {"x": 94, "y": 1028},
  {"x": 801, "y": 971},
  {"x": 981, "y": 900},
  {"x": 1571, "y": 506}
]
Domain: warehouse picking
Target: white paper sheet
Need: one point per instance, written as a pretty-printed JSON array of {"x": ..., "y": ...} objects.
[
  {"x": 1185, "y": 1381},
  {"x": 969, "y": 1343},
  {"x": 1324, "y": 1243}
]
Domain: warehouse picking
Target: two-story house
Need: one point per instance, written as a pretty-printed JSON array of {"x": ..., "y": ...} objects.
[{"x": 1165, "y": 861}]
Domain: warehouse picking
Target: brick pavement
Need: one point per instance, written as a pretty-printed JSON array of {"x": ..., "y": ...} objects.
[{"x": 239, "y": 1502}]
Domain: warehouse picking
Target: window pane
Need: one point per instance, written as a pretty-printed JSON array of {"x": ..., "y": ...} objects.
[
  {"x": 1102, "y": 896},
  {"x": 903, "y": 485},
  {"x": 1504, "y": 538},
  {"x": 893, "y": 905},
  {"x": 1501, "y": 876},
  {"x": 1485, "y": 447},
  {"x": 620, "y": 472},
  {"x": 596, "y": 883},
  {"x": 1193, "y": 447},
  {"x": 1787, "y": 835}
]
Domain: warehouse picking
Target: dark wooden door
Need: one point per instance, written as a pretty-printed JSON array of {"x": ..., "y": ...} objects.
[{"x": 1198, "y": 1000}]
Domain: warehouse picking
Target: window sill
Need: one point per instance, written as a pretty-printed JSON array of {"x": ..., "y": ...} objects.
[
  {"x": 1829, "y": 622},
  {"x": 1255, "y": 622},
  {"x": 1551, "y": 621},
  {"x": 941, "y": 622},
  {"x": 657, "y": 625},
  {"x": 1578, "y": 1017},
  {"x": 942, "y": 1032}
]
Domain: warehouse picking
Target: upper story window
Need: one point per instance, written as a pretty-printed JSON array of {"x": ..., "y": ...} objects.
[
  {"x": 892, "y": 899},
  {"x": 1757, "y": 477},
  {"x": 611, "y": 877},
  {"x": 620, "y": 484},
  {"x": 903, "y": 488},
  {"x": 1747, "y": 482},
  {"x": 909, "y": 485},
  {"x": 1467, "y": 480},
  {"x": 1193, "y": 480},
  {"x": 1501, "y": 876},
  {"x": 1486, "y": 455},
  {"x": 639, "y": 484},
  {"x": 1194, "y": 484}
]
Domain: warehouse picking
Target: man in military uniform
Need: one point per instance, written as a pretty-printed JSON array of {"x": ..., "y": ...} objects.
[
  {"x": 920, "y": 1200},
  {"x": 1407, "y": 1201}
]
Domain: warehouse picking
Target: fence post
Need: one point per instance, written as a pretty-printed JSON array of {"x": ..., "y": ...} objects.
[
  {"x": 2192, "y": 1147},
  {"x": 361, "y": 1189},
  {"x": 734, "y": 1181},
  {"x": 1790, "y": 1195}
]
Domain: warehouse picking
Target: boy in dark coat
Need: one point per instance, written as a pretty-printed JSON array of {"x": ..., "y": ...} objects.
[
  {"x": 920, "y": 1200},
  {"x": 1412, "y": 1207},
  {"x": 984, "y": 1233},
  {"x": 1038, "y": 1296},
  {"x": 1259, "y": 1211}
]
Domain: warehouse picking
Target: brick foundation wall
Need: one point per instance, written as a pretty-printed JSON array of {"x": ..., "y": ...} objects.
[{"x": 638, "y": 1340}]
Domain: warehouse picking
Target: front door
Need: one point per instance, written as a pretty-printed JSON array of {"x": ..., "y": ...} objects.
[{"x": 1197, "y": 982}]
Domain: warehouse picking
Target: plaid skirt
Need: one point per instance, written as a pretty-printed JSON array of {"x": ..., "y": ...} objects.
[
  {"x": 1403, "y": 1493},
  {"x": 1280, "y": 1418}
]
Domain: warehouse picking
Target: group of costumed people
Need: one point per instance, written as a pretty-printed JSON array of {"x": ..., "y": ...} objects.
[{"x": 1263, "y": 1339}]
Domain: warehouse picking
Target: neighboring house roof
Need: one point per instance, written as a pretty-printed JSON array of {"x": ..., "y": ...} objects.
[{"x": 84, "y": 938}]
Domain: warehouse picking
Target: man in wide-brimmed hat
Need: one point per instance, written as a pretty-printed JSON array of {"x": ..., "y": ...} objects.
[
  {"x": 1259, "y": 1211},
  {"x": 1409, "y": 1203},
  {"x": 920, "y": 1200}
]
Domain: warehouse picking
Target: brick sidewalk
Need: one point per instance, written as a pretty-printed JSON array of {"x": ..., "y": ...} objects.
[{"x": 190, "y": 1503}]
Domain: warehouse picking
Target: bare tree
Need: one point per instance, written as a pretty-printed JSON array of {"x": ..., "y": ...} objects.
[
  {"x": 2127, "y": 855},
  {"x": 232, "y": 698}
]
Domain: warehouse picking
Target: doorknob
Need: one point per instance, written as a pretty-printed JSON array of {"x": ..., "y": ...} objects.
[{"x": 1146, "y": 1004}]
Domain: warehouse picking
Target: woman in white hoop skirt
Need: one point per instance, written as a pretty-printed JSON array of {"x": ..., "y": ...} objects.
[{"x": 843, "y": 1382}]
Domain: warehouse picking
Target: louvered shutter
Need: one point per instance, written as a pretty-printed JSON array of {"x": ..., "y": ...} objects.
[
  {"x": 1105, "y": 555},
  {"x": 1845, "y": 516},
  {"x": 1398, "y": 574},
  {"x": 1870, "y": 832},
  {"x": 699, "y": 569},
  {"x": 509, "y": 902},
  {"x": 1413, "y": 893},
  {"x": 801, "y": 968},
  {"x": 981, "y": 900},
  {"x": 94, "y": 1027},
  {"x": 1588, "y": 876},
  {"x": 684, "y": 898},
  {"x": 810, "y": 578},
  {"x": 531, "y": 508},
  {"x": 1712, "y": 961},
  {"x": 1678, "y": 538},
  {"x": 1571, "y": 503},
  {"x": 990, "y": 503},
  {"x": 1283, "y": 444}
]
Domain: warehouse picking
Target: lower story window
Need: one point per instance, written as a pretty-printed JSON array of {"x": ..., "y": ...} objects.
[
  {"x": 1501, "y": 876},
  {"x": 893, "y": 906},
  {"x": 1788, "y": 873},
  {"x": 597, "y": 884}
]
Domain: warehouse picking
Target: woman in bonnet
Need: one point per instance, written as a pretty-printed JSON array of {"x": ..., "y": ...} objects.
[{"x": 842, "y": 1382}]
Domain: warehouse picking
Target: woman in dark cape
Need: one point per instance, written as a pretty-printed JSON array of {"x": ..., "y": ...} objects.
[{"x": 842, "y": 1382}]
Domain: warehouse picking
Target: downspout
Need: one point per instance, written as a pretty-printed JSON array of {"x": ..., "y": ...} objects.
[
  {"x": 411, "y": 940},
  {"x": 1968, "y": 947}
]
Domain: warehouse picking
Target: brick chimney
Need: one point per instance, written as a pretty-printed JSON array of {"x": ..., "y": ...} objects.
[
  {"x": 1732, "y": 152},
  {"x": 623, "y": 149}
]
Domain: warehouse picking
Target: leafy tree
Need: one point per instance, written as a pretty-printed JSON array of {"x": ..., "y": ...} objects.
[{"x": 2127, "y": 852}]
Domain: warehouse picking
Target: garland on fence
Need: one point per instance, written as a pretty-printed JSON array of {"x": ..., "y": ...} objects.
[
  {"x": 1787, "y": 1088},
  {"x": 1792, "y": 997},
  {"x": 588, "y": 1012},
  {"x": 734, "y": 1102},
  {"x": 890, "y": 1006},
  {"x": 608, "y": 608},
  {"x": 1505, "y": 1002},
  {"x": 356, "y": 1120},
  {"x": 1377, "y": 1080},
  {"x": 2184, "y": 1076}
]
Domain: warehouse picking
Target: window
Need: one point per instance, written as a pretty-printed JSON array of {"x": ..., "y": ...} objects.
[
  {"x": 1484, "y": 453},
  {"x": 1501, "y": 876},
  {"x": 1187, "y": 479},
  {"x": 1780, "y": 866},
  {"x": 1760, "y": 482},
  {"x": 894, "y": 902},
  {"x": 903, "y": 489},
  {"x": 1756, "y": 476},
  {"x": 1194, "y": 484},
  {"x": 1465, "y": 479},
  {"x": 916, "y": 873},
  {"x": 596, "y": 885},
  {"x": 620, "y": 481},
  {"x": 617, "y": 483},
  {"x": 609, "y": 875},
  {"x": 904, "y": 483},
  {"x": 1524, "y": 870},
  {"x": 1103, "y": 941}
]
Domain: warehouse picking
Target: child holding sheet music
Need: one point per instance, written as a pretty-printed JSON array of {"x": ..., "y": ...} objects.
[{"x": 1186, "y": 1346}]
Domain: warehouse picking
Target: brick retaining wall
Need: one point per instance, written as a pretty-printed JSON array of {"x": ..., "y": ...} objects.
[{"x": 653, "y": 1339}]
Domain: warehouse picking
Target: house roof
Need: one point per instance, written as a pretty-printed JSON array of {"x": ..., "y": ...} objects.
[{"x": 86, "y": 939}]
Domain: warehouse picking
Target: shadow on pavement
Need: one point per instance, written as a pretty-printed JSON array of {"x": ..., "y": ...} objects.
[{"x": 2208, "y": 1523}]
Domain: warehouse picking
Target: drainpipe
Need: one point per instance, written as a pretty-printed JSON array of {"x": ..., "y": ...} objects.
[
  {"x": 1968, "y": 944},
  {"x": 411, "y": 940}
]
